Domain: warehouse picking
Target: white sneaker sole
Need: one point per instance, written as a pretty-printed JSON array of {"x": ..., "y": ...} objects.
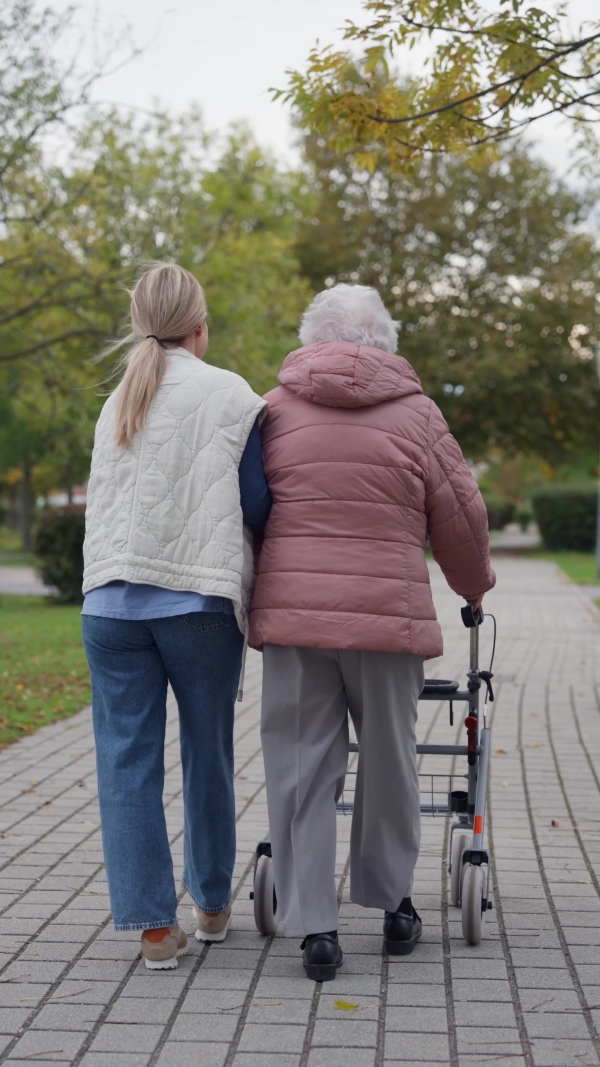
[
  {"x": 166, "y": 965},
  {"x": 201, "y": 935}
]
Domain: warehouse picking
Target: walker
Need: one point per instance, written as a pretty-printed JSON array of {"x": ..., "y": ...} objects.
[{"x": 469, "y": 861}]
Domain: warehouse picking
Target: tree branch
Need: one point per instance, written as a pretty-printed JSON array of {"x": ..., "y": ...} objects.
[
  {"x": 481, "y": 93},
  {"x": 473, "y": 31},
  {"x": 90, "y": 331}
]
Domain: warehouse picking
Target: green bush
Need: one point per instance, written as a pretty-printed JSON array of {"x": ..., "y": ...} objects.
[
  {"x": 58, "y": 545},
  {"x": 566, "y": 516},
  {"x": 500, "y": 511},
  {"x": 523, "y": 515}
]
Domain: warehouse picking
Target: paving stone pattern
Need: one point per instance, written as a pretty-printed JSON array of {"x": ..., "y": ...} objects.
[{"x": 73, "y": 991}]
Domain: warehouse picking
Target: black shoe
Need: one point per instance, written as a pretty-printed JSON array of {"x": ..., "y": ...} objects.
[
  {"x": 402, "y": 929},
  {"x": 322, "y": 956}
]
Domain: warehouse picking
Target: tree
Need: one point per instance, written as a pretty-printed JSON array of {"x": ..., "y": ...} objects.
[
  {"x": 39, "y": 94},
  {"x": 493, "y": 278},
  {"x": 133, "y": 192},
  {"x": 163, "y": 189},
  {"x": 488, "y": 74}
]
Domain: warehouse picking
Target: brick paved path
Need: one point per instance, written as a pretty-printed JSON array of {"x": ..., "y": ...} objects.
[{"x": 73, "y": 991}]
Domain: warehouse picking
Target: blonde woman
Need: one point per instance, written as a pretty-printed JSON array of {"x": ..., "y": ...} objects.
[{"x": 176, "y": 480}]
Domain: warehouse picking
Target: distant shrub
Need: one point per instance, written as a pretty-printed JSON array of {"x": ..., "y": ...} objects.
[
  {"x": 523, "y": 515},
  {"x": 500, "y": 511},
  {"x": 566, "y": 516},
  {"x": 58, "y": 545}
]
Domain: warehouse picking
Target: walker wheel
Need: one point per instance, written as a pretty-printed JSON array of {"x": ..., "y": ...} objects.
[
  {"x": 459, "y": 843},
  {"x": 472, "y": 904},
  {"x": 265, "y": 900}
]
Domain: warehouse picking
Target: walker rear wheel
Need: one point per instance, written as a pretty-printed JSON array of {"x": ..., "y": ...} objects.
[
  {"x": 459, "y": 843},
  {"x": 265, "y": 900},
  {"x": 472, "y": 904}
]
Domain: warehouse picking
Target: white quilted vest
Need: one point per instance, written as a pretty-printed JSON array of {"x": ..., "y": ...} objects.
[{"x": 166, "y": 510}]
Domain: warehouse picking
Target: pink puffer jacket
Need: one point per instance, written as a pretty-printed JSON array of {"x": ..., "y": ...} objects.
[{"x": 362, "y": 469}]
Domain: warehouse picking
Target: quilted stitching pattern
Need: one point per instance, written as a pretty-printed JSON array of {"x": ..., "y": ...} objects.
[
  {"x": 362, "y": 468},
  {"x": 166, "y": 510}
]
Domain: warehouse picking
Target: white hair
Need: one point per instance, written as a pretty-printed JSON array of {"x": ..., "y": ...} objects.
[{"x": 354, "y": 313}]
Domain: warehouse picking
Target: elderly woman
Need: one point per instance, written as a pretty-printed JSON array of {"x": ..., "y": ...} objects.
[{"x": 362, "y": 470}]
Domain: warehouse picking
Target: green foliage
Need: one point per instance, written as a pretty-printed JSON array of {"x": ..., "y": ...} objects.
[
  {"x": 489, "y": 74},
  {"x": 500, "y": 511},
  {"x": 490, "y": 270},
  {"x": 58, "y": 546},
  {"x": 493, "y": 279},
  {"x": 566, "y": 516},
  {"x": 43, "y": 670},
  {"x": 132, "y": 193},
  {"x": 515, "y": 477},
  {"x": 523, "y": 515}
]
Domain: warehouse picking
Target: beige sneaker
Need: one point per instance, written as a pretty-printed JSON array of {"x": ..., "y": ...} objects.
[
  {"x": 161, "y": 948},
  {"x": 212, "y": 927}
]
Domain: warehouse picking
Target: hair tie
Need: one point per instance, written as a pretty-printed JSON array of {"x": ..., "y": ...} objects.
[{"x": 153, "y": 336}]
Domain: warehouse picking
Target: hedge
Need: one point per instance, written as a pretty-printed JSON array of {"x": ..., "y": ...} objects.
[
  {"x": 58, "y": 545},
  {"x": 500, "y": 511},
  {"x": 566, "y": 516}
]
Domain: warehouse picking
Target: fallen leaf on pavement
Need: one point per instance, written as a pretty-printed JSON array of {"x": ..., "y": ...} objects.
[{"x": 345, "y": 1005}]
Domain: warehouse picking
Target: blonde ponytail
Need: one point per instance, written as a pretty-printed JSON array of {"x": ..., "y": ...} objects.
[
  {"x": 167, "y": 305},
  {"x": 146, "y": 365}
]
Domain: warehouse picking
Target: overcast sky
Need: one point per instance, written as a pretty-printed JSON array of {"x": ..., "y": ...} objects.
[{"x": 225, "y": 54}]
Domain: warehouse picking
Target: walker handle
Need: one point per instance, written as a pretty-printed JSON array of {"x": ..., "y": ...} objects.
[{"x": 470, "y": 617}]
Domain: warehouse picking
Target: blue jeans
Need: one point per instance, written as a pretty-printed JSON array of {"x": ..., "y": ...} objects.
[{"x": 131, "y": 663}]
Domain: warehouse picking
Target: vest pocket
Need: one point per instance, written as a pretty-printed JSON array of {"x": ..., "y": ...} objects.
[{"x": 205, "y": 621}]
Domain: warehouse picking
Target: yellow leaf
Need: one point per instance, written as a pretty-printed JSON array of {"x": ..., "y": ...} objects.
[{"x": 344, "y": 1005}]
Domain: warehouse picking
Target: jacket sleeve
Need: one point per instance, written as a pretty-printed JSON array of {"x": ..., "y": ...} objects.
[{"x": 457, "y": 523}]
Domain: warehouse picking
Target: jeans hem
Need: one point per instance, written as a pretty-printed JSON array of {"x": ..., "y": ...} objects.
[
  {"x": 207, "y": 911},
  {"x": 146, "y": 926}
]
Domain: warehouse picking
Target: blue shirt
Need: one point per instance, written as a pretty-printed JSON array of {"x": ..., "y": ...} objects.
[{"x": 130, "y": 600}]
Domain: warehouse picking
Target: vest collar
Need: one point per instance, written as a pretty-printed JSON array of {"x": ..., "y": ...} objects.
[{"x": 181, "y": 352}]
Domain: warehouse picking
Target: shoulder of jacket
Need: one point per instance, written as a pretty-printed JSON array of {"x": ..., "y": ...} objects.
[
  {"x": 223, "y": 379},
  {"x": 437, "y": 427},
  {"x": 280, "y": 395},
  {"x": 418, "y": 402},
  {"x": 106, "y": 409}
]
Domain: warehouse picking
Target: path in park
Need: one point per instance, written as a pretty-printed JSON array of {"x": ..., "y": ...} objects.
[
  {"x": 73, "y": 991},
  {"x": 22, "y": 581}
]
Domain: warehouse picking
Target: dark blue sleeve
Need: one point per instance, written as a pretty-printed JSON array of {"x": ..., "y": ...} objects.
[{"x": 254, "y": 491}]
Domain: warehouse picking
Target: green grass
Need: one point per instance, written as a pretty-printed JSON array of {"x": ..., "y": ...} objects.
[
  {"x": 17, "y": 559},
  {"x": 43, "y": 669},
  {"x": 580, "y": 567},
  {"x": 11, "y": 553},
  {"x": 10, "y": 540}
]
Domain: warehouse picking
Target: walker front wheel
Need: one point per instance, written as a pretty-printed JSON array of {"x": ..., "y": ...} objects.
[
  {"x": 265, "y": 900},
  {"x": 459, "y": 843},
  {"x": 472, "y": 904}
]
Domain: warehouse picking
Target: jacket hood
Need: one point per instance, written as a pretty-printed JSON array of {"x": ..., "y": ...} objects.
[{"x": 338, "y": 374}]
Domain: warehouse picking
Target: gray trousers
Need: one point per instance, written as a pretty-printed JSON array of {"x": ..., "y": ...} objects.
[{"x": 307, "y": 694}]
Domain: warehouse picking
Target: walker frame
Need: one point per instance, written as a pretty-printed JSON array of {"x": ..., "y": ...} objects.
[{"x": 468, "y": 858}]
